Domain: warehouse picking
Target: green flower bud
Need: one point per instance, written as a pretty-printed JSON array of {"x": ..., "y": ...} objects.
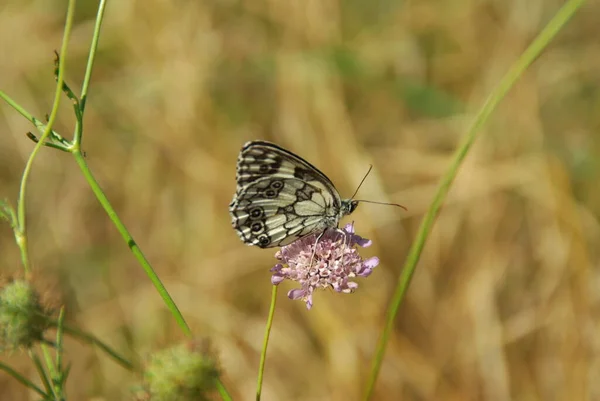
[
  {"x": 22, "y": 318},
  {"x": 182, "y": 373}
]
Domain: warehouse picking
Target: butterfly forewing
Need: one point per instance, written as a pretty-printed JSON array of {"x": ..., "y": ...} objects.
[
  {"x": 281, "y": 197},
  {"x": 260, "y": 159}
]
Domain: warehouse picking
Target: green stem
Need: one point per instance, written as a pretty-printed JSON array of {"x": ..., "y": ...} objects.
[
  {"x": 54, "y": 374},
  {"x": 92, "y": 56},
  {"x": 60, "y": 329},
  {"x": 22, "y": 379},
  {"x": 21, "y": 232},
  {"x": 41, "y": 372},
  {"x": 135, "y": 249},
  {"x": 78, "y": 136},
  {"x": 263, "y": 354},
  {"x": 223, "y": 391},
  {"x": 90, "y": 339},
  {"x": 507, "y": 82},
  {"x": 17, "y": 107}
]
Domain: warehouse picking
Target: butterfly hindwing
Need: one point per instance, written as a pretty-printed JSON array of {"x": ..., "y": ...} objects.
[{"x": 274, "y": 211}]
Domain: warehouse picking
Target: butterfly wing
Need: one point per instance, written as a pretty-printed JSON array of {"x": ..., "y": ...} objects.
[{"x": 280, "y": 197}]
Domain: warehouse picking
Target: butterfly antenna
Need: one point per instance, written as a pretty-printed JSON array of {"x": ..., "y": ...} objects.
[
  {"x": 382, "y": 203},
  {"x": 363, "y": 180},
  {"x": 367, "y": 201}
]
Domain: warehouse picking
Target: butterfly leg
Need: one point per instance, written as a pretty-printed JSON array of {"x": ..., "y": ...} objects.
[
  {"x": 339, "y": 231},
  {"x": 312, "y": 258},
  {"x": 344, "y": 246}
]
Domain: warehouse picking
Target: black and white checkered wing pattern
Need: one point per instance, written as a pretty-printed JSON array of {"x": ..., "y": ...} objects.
[{"x": 280, "y": 197}]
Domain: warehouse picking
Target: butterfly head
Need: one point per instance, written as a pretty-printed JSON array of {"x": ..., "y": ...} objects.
[{"x": 348, "y": 206}]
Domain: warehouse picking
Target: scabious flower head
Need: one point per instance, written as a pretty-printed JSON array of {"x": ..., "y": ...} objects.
[
  {"x": 22, "y": 316},
  {"x": 184, "y": 372},
  {"x": 332, "y": 261}
]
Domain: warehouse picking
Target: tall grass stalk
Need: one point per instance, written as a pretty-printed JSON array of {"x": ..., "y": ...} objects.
[{"x": 506, "y": 83}]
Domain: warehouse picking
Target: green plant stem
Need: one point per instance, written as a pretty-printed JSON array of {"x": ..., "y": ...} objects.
[
  {"x": 41, "y": 372},
  {"x": 507, "y": 82},
  {"x": 223, "y": 391},
  {"x": 90, "y": 339},
  {"x": 75, "y": 149},
  {"x": 55, "y": 381},
  {"x": 92, "y": 54},
  {"x": 60, "y": 329},
  {"x": 41, "y": 127},
  {"x": 21, "y": 232},
  {"x": 17, "y": 107},
  {"x": 135, "y": 249},
  {"x": 22, "y": 379},
  {"x": 78, "y": 136},
  {"x": 80, "y": 160},
  {"x": 263, "y": 354}
]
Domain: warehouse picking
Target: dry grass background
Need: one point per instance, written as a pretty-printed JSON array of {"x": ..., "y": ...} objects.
[{"x": 504, "y": 304}]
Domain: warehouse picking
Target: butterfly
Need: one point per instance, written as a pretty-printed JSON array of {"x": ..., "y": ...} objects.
[{"x": 280, "y": 197}]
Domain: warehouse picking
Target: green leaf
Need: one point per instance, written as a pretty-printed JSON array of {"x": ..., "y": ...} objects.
[{"x": 8, "y": 213}]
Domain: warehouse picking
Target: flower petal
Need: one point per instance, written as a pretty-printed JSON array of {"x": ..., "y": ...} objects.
[
  {"x": 309, "y": 302},
  {"x": 360, "y": 241},
  {"x": 296, "y": 293},
  {"x": 367, "y": 266},
  {"x": 371, "y": 262},
  {"x": 351, "y": 286}
]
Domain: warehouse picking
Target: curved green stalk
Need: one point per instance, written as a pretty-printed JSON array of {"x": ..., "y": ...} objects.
[
  {"x": 21, "y": 231},
  {"x": 507, "y": 82}
]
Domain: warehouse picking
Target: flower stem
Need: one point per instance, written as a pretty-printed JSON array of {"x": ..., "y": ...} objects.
[
  {"x": 507, "y": 82},
  {"x": 263, "y": 354}
]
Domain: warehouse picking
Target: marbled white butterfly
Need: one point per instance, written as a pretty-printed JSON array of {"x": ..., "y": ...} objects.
[{"x": 280, "y": 197}]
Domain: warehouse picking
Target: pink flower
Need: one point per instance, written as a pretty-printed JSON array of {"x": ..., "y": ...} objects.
[{"x": 335, "y": 263}]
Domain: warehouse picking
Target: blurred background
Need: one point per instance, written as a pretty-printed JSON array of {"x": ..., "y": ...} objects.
[{"x": 504, "y": 304}]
